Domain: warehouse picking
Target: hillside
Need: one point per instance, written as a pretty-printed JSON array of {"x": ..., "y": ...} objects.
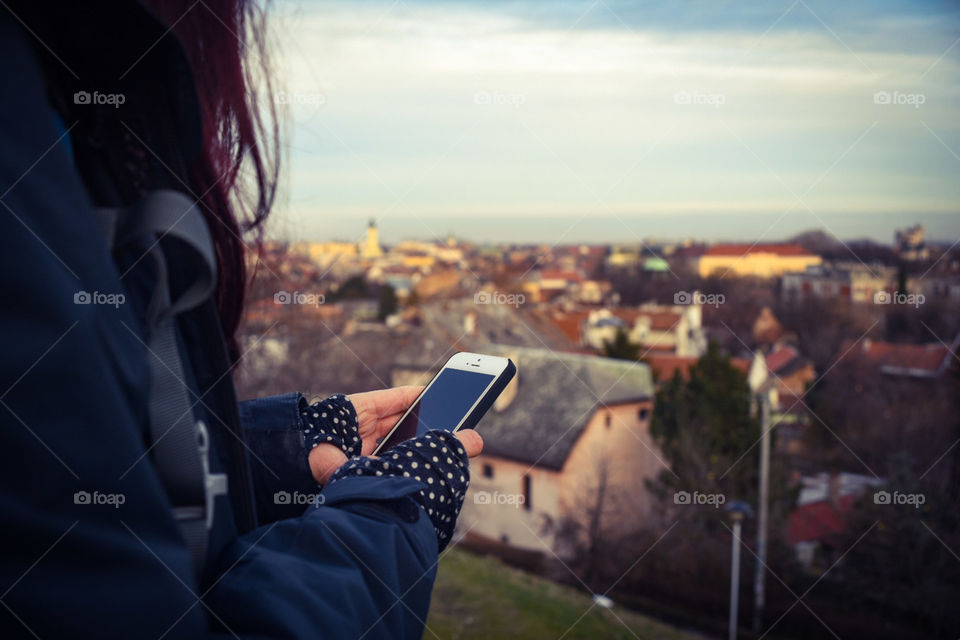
[{"x": 481, "y": 598}]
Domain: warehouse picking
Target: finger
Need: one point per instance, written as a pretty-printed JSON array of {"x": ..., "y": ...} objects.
[
  {"x": 386, "y": 402},
  {"x": 324, "y": 459},
  {"x": 398, "y": 399},
  {"x": 471, "y": 441}
]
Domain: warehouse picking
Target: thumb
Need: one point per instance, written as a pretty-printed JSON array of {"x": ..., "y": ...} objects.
[{"x": 471, "y": 441}]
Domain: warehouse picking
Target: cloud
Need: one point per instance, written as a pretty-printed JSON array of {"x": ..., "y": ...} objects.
[{"x": 433, "y": 107}]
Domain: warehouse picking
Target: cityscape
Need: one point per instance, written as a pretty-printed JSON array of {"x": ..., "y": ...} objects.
[{"x": 635, "y": 419}]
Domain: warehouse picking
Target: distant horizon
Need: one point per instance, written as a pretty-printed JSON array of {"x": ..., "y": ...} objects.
[
  {"x": 752, "y": 121},
  {"x": 570, "y": 229}
]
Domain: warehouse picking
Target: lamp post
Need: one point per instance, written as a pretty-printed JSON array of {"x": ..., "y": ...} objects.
[
  {"x": 759, "y": 590},
  {"x": 764, "y": 395},
  {"x": 738, "y": 511}
]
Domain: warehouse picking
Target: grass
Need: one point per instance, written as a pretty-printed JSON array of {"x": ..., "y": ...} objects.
[{"x": 480, "y": 597}]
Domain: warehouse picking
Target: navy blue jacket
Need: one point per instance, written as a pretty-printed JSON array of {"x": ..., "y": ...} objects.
[{"x": 90, "y": 548}]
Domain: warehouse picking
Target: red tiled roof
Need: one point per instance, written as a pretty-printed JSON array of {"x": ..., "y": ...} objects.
[
  {"x": 664, "y": 366},
  {"x": 744, "y": 249},
  {"x": 819, "y": 521},
  {"x": 659, "y": 320},
  {"x": 919, "y": 359},
  {"x": 781, "y": 357},
  {"x": 557, "y": 274},
  {"x": 569, "y": 322}
]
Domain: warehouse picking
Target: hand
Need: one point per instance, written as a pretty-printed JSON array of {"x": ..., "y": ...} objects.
[{"x": 377, "y": 412}]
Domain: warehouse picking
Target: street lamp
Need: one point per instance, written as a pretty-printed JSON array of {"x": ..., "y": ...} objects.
[
  {"x": 763, "y": 393},
  {"x": 738, "y": 511}
]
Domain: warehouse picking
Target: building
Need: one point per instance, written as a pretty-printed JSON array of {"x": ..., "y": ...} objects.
[
  {"x": 323, "y": 253},
  {"x": 545, "y": 285},
  {"x": 370, "y": 245},
  {"x": 664, "y": 366},
  {"x": 853, "y": 282},
  {"x": 924, "y": 361},
  {"x": 567, "y": 425},
  {"x": 910, "y": 244},
  {"x": 670, "y": 329},
  {"x": 818, "y": 526},
  {"x": 757, "y": 260}
]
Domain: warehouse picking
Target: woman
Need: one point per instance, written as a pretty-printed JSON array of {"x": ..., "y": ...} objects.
[{"x": 139, "y": 499}]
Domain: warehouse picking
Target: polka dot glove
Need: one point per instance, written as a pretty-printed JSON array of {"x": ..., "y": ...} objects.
[
  {"x": 332, "y": 421},
  {"x": 438, "y": 460}
]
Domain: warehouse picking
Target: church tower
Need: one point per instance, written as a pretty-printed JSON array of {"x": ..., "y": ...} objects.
[{"x": 370, "y": 247}]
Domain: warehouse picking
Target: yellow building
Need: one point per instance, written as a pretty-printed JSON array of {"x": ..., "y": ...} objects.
[
  {"x": 759, "y": 260},
  {"x": 322, "y": 252},
  {"x": 370, "y": 246}
]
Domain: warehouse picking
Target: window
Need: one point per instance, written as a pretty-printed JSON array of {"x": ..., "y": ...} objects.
[
  {"x": 527, "y": 503},
  {"x": 643, "y": 413},
  {"x": 488, "y": 471}
]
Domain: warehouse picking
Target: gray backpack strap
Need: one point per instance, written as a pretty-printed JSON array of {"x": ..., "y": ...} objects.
[{"x": 180, "y": 443}]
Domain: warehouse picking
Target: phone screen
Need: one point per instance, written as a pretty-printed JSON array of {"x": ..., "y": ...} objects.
[{"x": 444, "y": 405}]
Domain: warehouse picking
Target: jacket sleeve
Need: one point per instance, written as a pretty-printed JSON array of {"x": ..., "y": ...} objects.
[
  {"x": 361, "y": 562},
  {"x": 282, "y": 482}
]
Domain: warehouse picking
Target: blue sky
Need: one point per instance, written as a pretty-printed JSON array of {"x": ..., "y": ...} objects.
[{"x": 593, "y": 121}]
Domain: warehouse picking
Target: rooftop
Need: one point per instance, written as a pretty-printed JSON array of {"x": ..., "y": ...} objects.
[
  {"x": 915, "y": 360},
  {"x": 556, "y": 396},
  {"x": 745, "y": 249}
]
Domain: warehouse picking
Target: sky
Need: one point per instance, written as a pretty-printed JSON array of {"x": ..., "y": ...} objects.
[{"x": 604, "y": 121}]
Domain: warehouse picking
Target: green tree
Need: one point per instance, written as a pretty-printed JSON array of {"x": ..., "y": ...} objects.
[
  {"x": 388, "y": 302},
  {"x": 705, "y": 429},
  {"x": 621, "y": 347},
  {"x": 354, "y": 288}
]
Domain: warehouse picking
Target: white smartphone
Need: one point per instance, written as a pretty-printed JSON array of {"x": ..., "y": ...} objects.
[{"x": 456, "y": 398}]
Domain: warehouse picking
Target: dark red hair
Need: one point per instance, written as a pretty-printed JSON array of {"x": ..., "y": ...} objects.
[{"x": 236, "y": 176}]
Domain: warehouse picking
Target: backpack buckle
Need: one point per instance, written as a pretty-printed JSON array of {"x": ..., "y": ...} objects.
[{"x": 214, "y": 484}]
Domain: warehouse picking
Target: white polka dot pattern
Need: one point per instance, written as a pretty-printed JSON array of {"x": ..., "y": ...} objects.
[
  {"x": 446, "y": 479},
  {"x": 332, "y": 421}
]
